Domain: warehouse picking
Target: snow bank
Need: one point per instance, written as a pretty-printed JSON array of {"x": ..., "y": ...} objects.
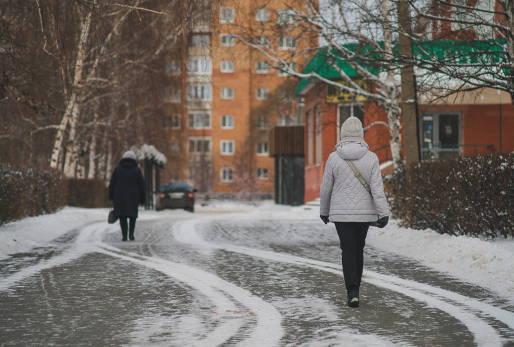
[
  {"x": 23, "y": 235},
  {"x": 489, "y": 264}
]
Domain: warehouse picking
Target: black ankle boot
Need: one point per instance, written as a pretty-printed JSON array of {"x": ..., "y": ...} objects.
[{"x": 353, "y": 298}]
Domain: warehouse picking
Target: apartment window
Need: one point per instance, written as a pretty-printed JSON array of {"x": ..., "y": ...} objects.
[
  {"x": 227, "y": 174},
  {"x": 172, "y": 121},
  {"x": 262, "y": 173},
  {"x": 227, "y": 147},
  {"x": 227, "y": 93},
  {"x": 262, "y": 67},
  {"x": 173, "y": 95},
  {"x": 286, "y": 16},
  {"x": 262, "y": 93},
  {"x": 173, "y": 68},
  {"x": 227, "y": 40},
  {"x": 199, "y": 120},
  {"x": 227, "y": 122},
  {"x": 200, "y": 66},
  {"x": 261, "y": 15},
  {"x": 261, "y": 122},
  {"x": 199, "y": 92},
  {"x": 199, "y": 145},
  {"x": 227, "y": 15},
  {"x": 201, "y": 40},
  {"x": 262, "y": 148},
  {"x": 227, "y": 66},
  {"x": 175, "y": 149},
  {"x": 287, "y": 42},
  {"x": 284, "y": 73},
  {"x": 261, "y": 40}
]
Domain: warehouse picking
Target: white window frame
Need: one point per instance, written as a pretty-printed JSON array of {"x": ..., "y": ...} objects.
[
  {"x": 199, "y": 120},
  {"x": 261, "y": 93},
  {"x": 286, "y": 16},
  {"x": 174, "y": 121},
  {"x": 262, "y": 148},
  {"x": 227, "y": 66},
  {"x": 227, "y": 93},
  {"x": 174, "y": 95},
  {"x": 204, "y": 43},
  {"x": 261, "y": 15},
  {"x": 227, "y": 121},
  {"x": 227, "y": 174},
  {"x": 261, "y": 40},
  {"x": 293, "y": 67},
  {"x": 200, "y": 66},
  {"x": 287, "y": 43},
  {"x": 263, "y": 173},
  {"x": 262, "y": 122},
  {"x": 175, "y": 148},
  {"x": 262, "y": 67},
  {"x": 199, "y": 91},
  {"x": 227, "y": 15},
  {"x": 173, "y": 68},
  {"x": 199, "y": 141},
  {"x": 227, "y": 147},
  {"x": 231, "y": 40}
]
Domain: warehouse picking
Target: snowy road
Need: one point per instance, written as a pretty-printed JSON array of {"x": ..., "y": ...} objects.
[{"x": 233, "y": 280}]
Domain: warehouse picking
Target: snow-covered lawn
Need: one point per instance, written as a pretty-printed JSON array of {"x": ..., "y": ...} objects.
[{"x": 487, "y": 263}]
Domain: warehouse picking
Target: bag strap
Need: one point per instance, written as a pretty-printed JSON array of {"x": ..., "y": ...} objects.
[{"x": 358, "y": 175}]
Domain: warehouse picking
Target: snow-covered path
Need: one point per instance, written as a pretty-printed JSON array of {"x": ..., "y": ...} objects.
[{"x": 254, "y": 278}]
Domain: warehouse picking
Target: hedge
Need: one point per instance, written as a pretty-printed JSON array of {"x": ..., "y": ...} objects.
[
  {"x": 459, "y": 196},
  {"x": 86, "y": 192},
  {"x": 30, "y": 191}
]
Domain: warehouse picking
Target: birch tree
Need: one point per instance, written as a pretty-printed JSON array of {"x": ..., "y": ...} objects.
[{"x": 357, "y": 32}]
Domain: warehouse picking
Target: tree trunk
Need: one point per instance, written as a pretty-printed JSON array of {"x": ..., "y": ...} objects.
[
  {"x": 92, "y": 150},
  {"x": 71, "y": 106}
]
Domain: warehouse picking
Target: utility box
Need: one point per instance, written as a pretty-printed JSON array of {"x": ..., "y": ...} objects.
[{"x": 287, "y": 147}]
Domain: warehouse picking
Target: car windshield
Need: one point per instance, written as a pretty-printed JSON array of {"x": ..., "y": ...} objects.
[{"x": 175, "y": 187}]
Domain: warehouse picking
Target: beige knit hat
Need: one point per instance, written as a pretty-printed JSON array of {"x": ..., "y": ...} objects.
[
  {"x": 129, "y": 154},
  {"x": 352, "y": 127}
]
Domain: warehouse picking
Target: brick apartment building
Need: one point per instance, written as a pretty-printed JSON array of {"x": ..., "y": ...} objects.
[
  {"x": 221, "y": 117},
  {"x": 466, "y": 124}
]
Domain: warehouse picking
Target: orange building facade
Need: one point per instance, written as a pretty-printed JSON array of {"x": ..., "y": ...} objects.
[
  {"x": 226, "y": 121},
  {"x": 469, "y": 124}
]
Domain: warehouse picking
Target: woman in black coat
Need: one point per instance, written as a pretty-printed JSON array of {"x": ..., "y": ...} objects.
[{"x": 127, "y": 191}]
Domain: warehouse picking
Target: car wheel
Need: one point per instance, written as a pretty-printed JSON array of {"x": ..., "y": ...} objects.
[{"x": 190, "y": 209}]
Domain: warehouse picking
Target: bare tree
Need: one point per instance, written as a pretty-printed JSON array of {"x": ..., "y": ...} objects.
[
  {"x": 356, "y": 41},
  {"x": 462, "y": 46}
]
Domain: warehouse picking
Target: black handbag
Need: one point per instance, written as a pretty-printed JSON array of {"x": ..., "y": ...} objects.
[{"x": 111, "y": 219}]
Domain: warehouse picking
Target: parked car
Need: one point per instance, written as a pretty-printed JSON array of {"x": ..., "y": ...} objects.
[{"x": 175, "y": 195}]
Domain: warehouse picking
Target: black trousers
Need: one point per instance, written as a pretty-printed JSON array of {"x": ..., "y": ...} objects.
[
  {"x": 352, "y": 237},
  {"x": 125, "y": 227}
]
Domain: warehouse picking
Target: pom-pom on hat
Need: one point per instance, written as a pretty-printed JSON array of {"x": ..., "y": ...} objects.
[
  {"x": 129, "y": 155},
  {"x": 352, "y": 127}
]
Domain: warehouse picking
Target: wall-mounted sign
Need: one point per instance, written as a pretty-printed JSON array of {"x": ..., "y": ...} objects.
[{"x": 338, "y": 96}]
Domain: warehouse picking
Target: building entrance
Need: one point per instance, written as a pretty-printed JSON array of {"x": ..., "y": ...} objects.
[{"x": 441, "y": 135}]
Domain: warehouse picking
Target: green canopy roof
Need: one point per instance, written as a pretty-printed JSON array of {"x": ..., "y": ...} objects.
[{"x": 462, "y": 52}]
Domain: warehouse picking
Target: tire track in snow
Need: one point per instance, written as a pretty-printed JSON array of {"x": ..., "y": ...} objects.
[{"x": 484, "y": 334}]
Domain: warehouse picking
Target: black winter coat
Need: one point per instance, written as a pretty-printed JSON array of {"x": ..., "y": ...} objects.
[{"x": 127, "y": 188}]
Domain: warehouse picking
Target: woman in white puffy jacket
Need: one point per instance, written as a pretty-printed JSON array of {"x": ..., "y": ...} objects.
[{"x": 345, "y": 201}]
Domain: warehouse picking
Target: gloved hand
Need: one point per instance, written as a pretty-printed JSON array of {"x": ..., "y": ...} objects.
[
  {"x": 324, "y": 219},
  {"x": 382, "y": 222}
]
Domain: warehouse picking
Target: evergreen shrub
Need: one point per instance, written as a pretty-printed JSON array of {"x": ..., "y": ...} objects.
[
  {"x": 459, "y": 196},
  {"x": 88, "y": 193},
  {"x": 30, "y": 191}
]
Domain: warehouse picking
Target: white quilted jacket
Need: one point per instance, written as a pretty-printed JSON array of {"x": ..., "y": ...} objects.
[{"x": 342, "y": 196}]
